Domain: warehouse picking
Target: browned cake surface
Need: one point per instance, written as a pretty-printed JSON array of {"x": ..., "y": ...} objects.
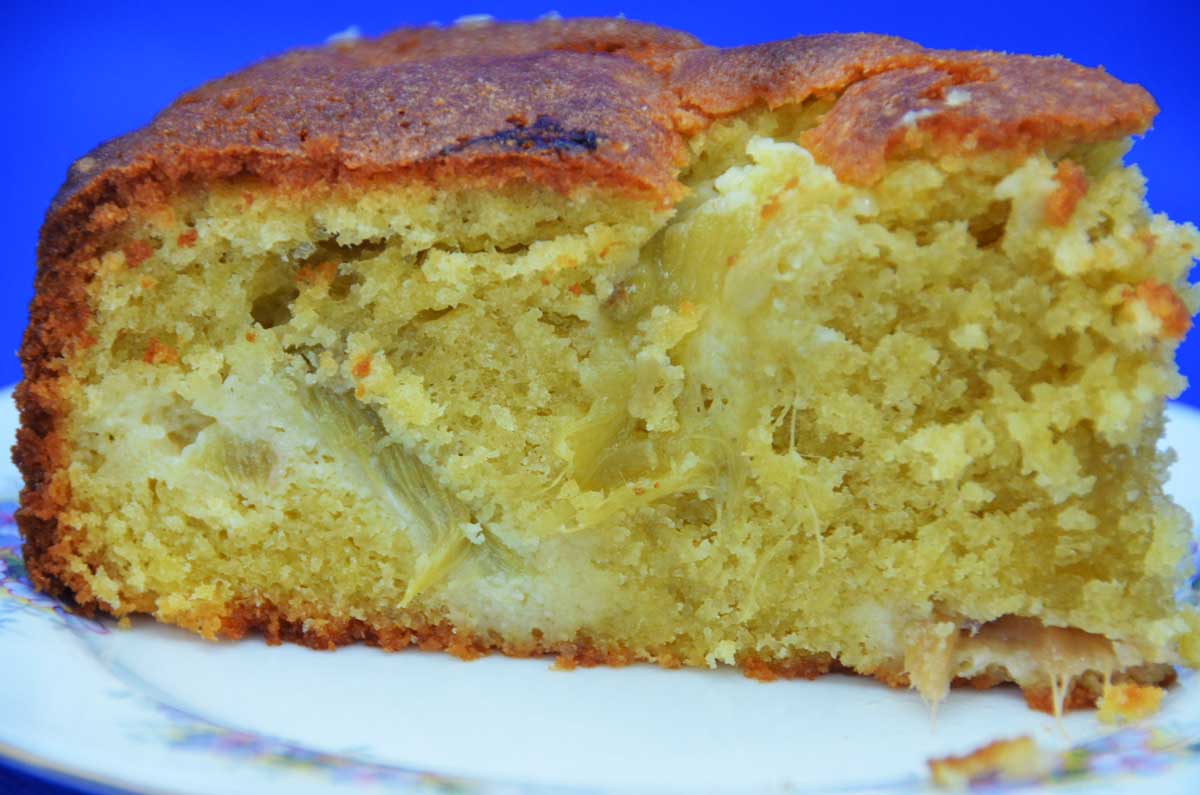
[
  {"x": 566, "y": 104},
  {"x": 569, "y": 102}
]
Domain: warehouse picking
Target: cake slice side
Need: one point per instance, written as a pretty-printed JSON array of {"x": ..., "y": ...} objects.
[{"x": 769, "y": 412}]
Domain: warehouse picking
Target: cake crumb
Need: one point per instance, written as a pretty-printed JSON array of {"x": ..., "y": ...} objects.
[
  {"x": 85, "y": 165},
  {"x": 473, "y": 531},
  {"x": 137, "y": 252},
  {"x": 361, "y": 367},
  {"x": 1129, "y": 701},
  {"x": 1072, "y": 186},
  {"x": 159, "y": 353},
  {"x": 345, "y": 37},
  {"x": 1018, "y": 759},
  {"x": 321, "y": 274},
  {"x": 910, "y": 118},
  {"x": 1164, "y": 304},
  {"x": 474, "y": 20},
  {"x": 957, "y": 97},
  {"x": 564, "y": 662}
]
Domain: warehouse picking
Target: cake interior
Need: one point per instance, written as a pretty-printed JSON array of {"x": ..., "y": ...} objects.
[{"x": 910, "y": 428}]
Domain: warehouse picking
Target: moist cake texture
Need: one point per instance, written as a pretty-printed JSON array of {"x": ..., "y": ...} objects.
[{"x": 579, "y": 337}]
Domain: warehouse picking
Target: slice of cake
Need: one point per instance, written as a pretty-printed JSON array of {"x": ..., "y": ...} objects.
[{"x": 581, "y": 338}]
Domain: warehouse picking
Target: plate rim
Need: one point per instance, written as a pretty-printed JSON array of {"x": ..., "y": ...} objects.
[{"x": 78, "y": 778}]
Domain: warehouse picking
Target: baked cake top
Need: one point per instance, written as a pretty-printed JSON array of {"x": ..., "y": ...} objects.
[{"x": 584, "y": 101}]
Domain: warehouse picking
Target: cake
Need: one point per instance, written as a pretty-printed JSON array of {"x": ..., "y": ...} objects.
[
  {"x": 581, "y": 338},
  {"x": 1018, "y": 761}
]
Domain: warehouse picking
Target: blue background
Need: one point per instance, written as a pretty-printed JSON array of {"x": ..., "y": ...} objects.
[{"x": 72, "y": 75}]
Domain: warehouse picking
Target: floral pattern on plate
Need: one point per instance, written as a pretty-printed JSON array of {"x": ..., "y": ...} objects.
[{"x": 194, "y": 733}]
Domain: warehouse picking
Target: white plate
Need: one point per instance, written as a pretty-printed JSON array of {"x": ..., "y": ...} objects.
[{"x": 157, "y": 710}]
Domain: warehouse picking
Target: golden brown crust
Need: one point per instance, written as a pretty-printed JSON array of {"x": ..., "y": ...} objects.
[
  {"x": 721, "y": 82},
  {"x": 579, "y": 102},
  {"x": 58, "y": 320},
  {"x": 330, "y": 633},
  {"x": 974, "y": 103},
  {"x": 565, "y": 104},
  {"x": 648, "y": 44}
]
